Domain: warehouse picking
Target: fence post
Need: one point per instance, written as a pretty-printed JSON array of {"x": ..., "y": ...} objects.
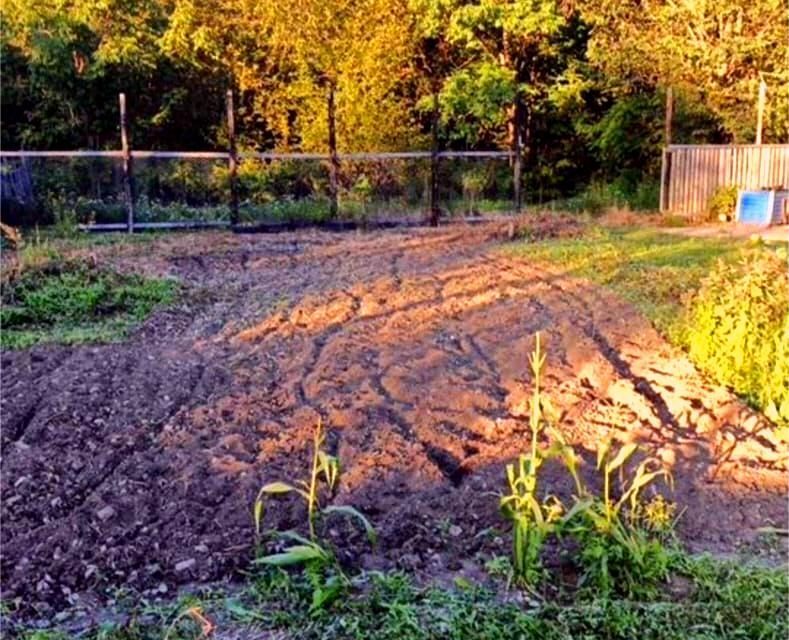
[
  {"x": 516, "y": 173},
  {"x": 435, "y": 211},
  {"x": 669, "y": 115},
  {"x": 334, "y": 161},
  {"x": 232, "y": 162},
  {"x": 665, "y": 177},
  {"x": 127, "y": 165}
]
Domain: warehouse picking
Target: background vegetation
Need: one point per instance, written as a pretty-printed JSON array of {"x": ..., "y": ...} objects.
[{"x": 579, "y": 86}]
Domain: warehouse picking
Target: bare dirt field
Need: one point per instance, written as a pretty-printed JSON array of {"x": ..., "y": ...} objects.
[{"x": 136, "y": 464}]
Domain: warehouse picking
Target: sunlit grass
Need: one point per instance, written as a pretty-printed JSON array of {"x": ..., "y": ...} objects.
[{"x": 651, "y": 270}]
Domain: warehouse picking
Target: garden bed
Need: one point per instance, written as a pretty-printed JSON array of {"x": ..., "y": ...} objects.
[{"x": 136, "y": 464}]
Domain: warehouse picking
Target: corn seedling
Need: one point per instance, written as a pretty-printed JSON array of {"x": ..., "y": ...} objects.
[
  {"x": 532, "y": 519},
  {"x": 615, "y": 551},
  {"x": 315, "y": 555}
]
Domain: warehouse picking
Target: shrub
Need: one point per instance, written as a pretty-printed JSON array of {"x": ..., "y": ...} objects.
[
  {"x": 722, "y": 202},
  {"x": 738, "y": 329}
]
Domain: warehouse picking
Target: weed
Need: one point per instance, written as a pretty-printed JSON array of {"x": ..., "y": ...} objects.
[
  {"x": 75, "y": 302},
  {"x": 722, "y": 204},
  {"x": 737, "y": 329}
]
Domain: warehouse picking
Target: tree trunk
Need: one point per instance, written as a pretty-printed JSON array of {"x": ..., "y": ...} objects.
[
  {"x": 515, "y": 142},
  {"x": 334, "y": 161}
]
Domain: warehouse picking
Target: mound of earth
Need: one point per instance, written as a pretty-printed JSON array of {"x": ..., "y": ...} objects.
[{"x": 136, "y": 464}]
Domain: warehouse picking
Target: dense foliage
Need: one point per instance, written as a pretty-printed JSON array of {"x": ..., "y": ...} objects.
[
  {"x": 579, "y": 85},
  {"x": 738, "y": 329}
]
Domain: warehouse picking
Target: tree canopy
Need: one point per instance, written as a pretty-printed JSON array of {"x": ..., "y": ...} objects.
[{"x": 578, "y": 85}]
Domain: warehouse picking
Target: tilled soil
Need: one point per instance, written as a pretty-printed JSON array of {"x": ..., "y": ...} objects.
[{"x": 136, "y": 464}]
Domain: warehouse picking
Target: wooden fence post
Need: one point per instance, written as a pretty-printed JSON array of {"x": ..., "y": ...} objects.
[
  {"x": 435, "y": 211},
  {"x": 669, "y": 115},
  {"x": 232, "y": 162},
  {"x": 665, "y": 178},
  {"x": 760, "y": 110},
  {"x": 127, "y": 165},
  {"x": 516, "y": 173},
  {"x": 334, "y": 161}
]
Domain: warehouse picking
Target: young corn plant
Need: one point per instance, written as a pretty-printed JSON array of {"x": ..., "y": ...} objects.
[
  {"x": 327, "y": 578},
  {"x": 617, "y": 553},
  {"x": 533, "y": 520}
]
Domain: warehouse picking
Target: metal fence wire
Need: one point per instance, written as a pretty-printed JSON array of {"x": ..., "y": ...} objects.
[{"x": 159, "y": 189}]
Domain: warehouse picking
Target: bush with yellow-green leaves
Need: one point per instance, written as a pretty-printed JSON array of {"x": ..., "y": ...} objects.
[{"x": 738, "y": 329}]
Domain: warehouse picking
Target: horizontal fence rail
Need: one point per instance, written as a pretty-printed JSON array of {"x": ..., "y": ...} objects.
[
  {"x": 692, "y": 174},
  {"x": 254, "y": 155}
]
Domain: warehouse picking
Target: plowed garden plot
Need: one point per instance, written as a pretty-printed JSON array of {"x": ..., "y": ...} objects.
[{"x": 137, "y": 463}]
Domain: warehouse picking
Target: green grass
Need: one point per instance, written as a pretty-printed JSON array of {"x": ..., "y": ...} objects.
[
  {"x": 711, "y": 599},
  {"x": 73, "y": 302},
  {"x": 649, "y": 269}
]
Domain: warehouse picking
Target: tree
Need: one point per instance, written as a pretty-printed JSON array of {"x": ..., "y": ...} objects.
[
  {"x": 510, "y": 55},
  {"x": 289, "y": 56},
  {"x": 712, "y": 52},
  {"x": 67, "y": 62}
]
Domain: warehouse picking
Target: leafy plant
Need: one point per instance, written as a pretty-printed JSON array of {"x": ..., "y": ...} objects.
[
  {"x": 70, "y": 301},
  {"x": 533, "y": 520},
  {"x": 313, "y": 553},
  {"x": 738, "y": 329},
  {"x": 722, "y": 203},
  {"x": 617, "y": 553},
  {"x": 474, "y": 182}
]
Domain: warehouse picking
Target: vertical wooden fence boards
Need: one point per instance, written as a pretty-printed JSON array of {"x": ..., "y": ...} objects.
[{"x": 691, "y": 174}]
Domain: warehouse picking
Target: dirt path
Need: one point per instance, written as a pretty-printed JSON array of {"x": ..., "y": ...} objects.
[{"x": 136, "y": 464}]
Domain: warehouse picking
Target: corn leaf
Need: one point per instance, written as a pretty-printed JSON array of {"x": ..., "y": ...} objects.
[
  {"x": 348, "y": 510},
  {"x": 602, "y": 452},
  {"x": 297, "y": 554},
  {"x": 277, "y": 487},
  {"x": 624, "y": 454},
  {"x": 258, "y": 514}
]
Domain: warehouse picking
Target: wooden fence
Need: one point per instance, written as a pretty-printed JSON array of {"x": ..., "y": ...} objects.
[{"x": 691, "y": 174}]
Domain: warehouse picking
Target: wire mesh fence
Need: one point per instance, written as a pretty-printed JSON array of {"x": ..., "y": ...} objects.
[{"x": 184, "y": 189}]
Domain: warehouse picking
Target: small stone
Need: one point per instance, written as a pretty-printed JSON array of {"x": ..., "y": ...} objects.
[
  {"x": 105, "y": 513},
  {"x": 185, "y": 565},
  {"x": 455, "y": 531},
  {"x": 162, "y": 588},
  {"x": 201, "y": 548}
]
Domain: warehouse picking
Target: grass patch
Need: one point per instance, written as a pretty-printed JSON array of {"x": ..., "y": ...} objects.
[
  {"x": 716, "y": 600},
  {"x": 653, "y": 271},
  {"x": 75, "y": 302},
  {"x": 724, "y": 304}
]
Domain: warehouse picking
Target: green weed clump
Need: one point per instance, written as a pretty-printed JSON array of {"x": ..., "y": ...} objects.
[
  {"x": 70, "y": 302},
  {"x": 721, "y": 600},
  {"x": 737, "y": 329},
  {"x": 621, "y": 540},
  {"x": 722, "y": 203}
]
